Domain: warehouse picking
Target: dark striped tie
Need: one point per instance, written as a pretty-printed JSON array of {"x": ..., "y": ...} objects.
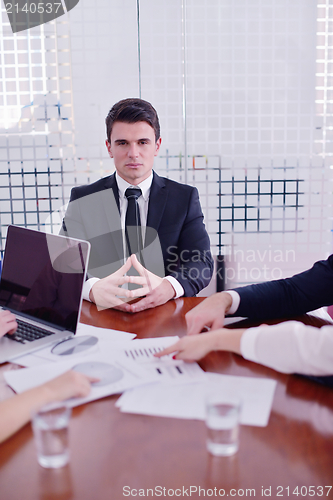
[{"x": 132, "y": 221}]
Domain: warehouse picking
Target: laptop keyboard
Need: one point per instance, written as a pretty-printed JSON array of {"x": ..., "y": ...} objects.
[{"x": 27, "y": 333}]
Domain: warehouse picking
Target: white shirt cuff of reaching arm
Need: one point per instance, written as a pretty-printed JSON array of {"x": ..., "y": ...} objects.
[
  {"x": 176, "y": 286},
  {"x": 87, "y": 287},
  {"x": 248, "y": 343},
  {"x": 235, "y": 301}
]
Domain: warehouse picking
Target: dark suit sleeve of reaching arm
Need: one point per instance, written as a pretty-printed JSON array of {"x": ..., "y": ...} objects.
[
  {"x": 325, "y": 380},
  {"x": 194, "y": 268},
  {"x": 289, "y": 297}
]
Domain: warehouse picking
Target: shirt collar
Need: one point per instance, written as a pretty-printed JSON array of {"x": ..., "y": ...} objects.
[{"x": 144, "y": 186}]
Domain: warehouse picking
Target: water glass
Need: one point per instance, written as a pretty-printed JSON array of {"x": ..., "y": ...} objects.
[
  {"x": 50, "y": 426},
  {"x": 222, "y": 422}
]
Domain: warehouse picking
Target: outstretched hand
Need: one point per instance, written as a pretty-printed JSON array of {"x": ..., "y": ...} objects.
[
  {"x": 209, "y": 313},
  {"x": 70, "y": 384},
  {"x": 190, "y": 348},
  {"x": 197, "y": 346}
]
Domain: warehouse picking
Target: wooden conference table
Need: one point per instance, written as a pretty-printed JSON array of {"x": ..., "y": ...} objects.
[{"x": 111, "y": 450}]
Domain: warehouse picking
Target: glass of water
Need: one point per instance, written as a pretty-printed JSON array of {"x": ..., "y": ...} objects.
[
  {"x": 50, "y": 426},
  {"x": 222, "y": 422}
]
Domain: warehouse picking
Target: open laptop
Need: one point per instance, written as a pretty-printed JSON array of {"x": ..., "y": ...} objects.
[{"x": 41, "y": 283}]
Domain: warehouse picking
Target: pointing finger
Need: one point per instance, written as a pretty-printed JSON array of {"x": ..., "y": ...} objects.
[{"x": 167, "y": 350}]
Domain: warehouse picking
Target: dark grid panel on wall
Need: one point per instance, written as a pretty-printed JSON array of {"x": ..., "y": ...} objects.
[
  {"x": 262, "y": 198},
  {"x": 243, "y": 202}
]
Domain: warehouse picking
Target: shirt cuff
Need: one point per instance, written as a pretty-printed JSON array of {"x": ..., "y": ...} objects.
[
  {"x": 176, "y": 286},
  {"x": 248, "y": 343},
  {"x": 235, "y": 301},
  {"x": 87, "y": 287}
]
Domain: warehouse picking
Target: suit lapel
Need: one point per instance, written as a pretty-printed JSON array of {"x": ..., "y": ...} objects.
[
  {"x": 110, "y": 182},
  {"x": 157, "y": 201},
  {"x": 111, "y": 210}
]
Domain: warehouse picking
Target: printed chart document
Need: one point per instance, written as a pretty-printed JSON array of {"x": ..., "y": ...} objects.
[
  {"x": 153, "y": 386},
  {"x": 114, "y": 377},
  {"x": 88, "y": 340},
  {"x": 118, "y": 365},
  {"x": 188, "y": 401},
  {"x": 166, "y": 369}
]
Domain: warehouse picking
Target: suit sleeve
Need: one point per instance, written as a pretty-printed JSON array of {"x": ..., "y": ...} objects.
[
  {"x": 289, "y": 297},
  {"x": 72, "y": 225},
  {"x": 194, "y": 268}
]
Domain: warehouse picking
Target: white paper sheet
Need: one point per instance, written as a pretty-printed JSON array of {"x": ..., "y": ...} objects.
[
  {"x": 103, "y": 334},
  {"x": 229, "y": 320},
  {"x": 188, "y": 401},
  {"x": 132, "y": 376},
  {"x": 322, "y": 314}
]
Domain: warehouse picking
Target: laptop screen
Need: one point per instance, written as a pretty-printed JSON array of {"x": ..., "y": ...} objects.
[{"x": 42, "y": 276}]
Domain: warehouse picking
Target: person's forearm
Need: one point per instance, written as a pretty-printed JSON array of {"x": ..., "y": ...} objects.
[
  {"x": 226, "y": 301},
  {"x": 16, "y": 411},
  {"x": 291, "y": 347},
  {"x": 227, "y": 340}
]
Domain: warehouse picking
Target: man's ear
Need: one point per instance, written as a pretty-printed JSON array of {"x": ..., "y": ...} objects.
[
  {"x": 108, "y": 147},
  {"x": 158, "y": 145}
]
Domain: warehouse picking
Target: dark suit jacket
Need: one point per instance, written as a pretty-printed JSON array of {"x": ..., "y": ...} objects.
[
  {"x": 289, "y": 297},
  {"x": 174, "y": 214}
]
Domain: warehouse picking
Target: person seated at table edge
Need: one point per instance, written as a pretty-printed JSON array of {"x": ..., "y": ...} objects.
[
  {"x": 289, "y": 347},
  {"x": 16, "y": 411},
  {"x": 171, "y": 208}
]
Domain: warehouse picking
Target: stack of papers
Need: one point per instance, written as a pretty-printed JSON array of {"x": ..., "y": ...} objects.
[
  {"x": 151, "y": 386},
  {"x": 117, "y": 364},
  {"x": 188, "y": 401}
]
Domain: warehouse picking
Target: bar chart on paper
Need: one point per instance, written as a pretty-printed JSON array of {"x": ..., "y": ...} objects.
[{"x": 142, "y": 352}]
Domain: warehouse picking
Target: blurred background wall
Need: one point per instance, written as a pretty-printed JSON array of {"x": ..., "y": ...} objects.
[{"x": 243, "y": 89}]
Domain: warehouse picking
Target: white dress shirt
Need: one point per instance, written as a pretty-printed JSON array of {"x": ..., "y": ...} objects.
[
  {"x": 143, "y": 202},
  {"x": 290, "y": 347},
  {"x": 235, "y": 301}
]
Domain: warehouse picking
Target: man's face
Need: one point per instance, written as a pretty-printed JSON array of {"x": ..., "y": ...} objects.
[{"x": 133, "y": 148}]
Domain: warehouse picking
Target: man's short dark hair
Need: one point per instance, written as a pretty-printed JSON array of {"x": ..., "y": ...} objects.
[{"x": 132, "y": 110}]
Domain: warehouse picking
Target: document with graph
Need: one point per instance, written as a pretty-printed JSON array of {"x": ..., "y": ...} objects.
[{"x": 166, "y": 369}]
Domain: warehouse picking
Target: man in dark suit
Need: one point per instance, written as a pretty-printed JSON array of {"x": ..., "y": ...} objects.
[{"x": 176, "y": 244}]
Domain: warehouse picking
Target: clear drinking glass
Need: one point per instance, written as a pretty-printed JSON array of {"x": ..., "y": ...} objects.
[
  {"x": 222, "y": 422},
  {"x": 50, "y": 426}
]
